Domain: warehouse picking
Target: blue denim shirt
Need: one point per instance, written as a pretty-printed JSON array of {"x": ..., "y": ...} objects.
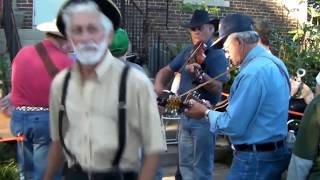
[
  {"x": 215, "y": 63},
  {"x": 258, "y": 102}
]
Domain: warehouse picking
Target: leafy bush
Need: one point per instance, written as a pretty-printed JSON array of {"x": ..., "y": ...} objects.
[
  {"x": 202, "y": 5},
  {"x": 8, "y": 170},
  {"x": 5, "y": 74},
  {"x": 8, "y": 166},
  {"x": 299, "y": 48}
]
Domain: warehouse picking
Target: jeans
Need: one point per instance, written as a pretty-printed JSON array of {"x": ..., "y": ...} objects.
[
  {"x": 32, "y": 152},
  {"x": 196, "y": 146},
  {"x": 259, "y": 165}
]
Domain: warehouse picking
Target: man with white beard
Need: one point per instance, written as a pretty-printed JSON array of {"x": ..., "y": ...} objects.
[{"x": 97, "y": 123}]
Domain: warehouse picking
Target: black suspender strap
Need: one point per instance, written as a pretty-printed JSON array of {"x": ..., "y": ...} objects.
[
  {"x": 62, "y": 111},
  {"x": 121, "y": 113},
  {"x": 122, "y": 118}
]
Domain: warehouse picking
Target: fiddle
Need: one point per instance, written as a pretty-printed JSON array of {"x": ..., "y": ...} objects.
[
  {"x": 199, "y": 57},
  {"x": 199, "y": 51}
]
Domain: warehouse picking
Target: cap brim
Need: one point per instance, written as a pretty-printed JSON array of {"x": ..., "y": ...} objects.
[
  {"x": 218, "y": 44},
  {"x": 192, "y": 25},
  {"x": 49, "y": 27}
]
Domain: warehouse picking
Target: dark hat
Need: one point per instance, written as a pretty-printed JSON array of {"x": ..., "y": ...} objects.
[
  {"x": 199, "y": 18},
  {"x": 107, "y": 7},
  {"x": 230, "y": 24}
]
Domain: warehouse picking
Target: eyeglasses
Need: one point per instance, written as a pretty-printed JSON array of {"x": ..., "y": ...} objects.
[
  {"x": 226, "y": 52},
  {"x": 196, "y": 28}
]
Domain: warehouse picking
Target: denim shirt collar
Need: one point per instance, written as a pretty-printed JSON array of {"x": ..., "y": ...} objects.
[{"x": 252, "y": 54}]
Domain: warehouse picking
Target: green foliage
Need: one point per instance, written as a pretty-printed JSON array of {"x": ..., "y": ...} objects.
[
  {"x": 5, "y": 74},
  {"x": 8, "y": 170},
  {"x": 8, "y": 167},
  {"x": 299, "y": 48},
  {"x": 203, "y": 5}
]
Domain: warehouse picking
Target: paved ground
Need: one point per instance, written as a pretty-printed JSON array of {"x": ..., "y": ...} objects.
[
  {"x": 169, "y": 163},
  {"x": 223, "y": 155}
]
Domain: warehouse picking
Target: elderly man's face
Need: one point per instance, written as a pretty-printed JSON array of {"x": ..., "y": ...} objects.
[
  {"x": 201, "y": 33},
  {"x": 86, "y": 27},
  {"x": 232, "y": 47},
  {"x": 89, "y": 37}
]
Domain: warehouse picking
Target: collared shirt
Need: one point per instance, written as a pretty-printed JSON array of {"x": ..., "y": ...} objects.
[
  {"x": 30, "y": 78},
  {"x": 305, "y": 160},
  {"x": 258, "y": 101},
  {"x": 91, "y": 132},
  {"x": 215, "y": 63}
]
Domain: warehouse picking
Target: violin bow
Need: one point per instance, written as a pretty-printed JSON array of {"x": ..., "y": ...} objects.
[{"x": 209, "y": 81}]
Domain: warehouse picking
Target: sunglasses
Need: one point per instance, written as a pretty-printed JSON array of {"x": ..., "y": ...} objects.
[{"x": 196, "y": 28}]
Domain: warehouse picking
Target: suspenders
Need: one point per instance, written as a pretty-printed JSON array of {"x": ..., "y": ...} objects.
[{"x": 121, "y": 113}]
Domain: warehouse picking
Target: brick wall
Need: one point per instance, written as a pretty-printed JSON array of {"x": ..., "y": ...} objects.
[
  {"x": 25, "y": 6},
  {"x": 170, "y": 28},
  {"x": 272, "y": 10}
]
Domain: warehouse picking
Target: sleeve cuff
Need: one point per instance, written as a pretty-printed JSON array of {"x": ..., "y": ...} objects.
[
  {"x": 299, "y": 168},
  {"x": 213, "y": 116}
]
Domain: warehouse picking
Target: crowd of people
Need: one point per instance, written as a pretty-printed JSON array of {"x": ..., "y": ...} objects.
[{"x": 85, "y": 112}]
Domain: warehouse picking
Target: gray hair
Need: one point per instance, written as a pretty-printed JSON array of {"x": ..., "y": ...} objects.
[
  {"x": 86, "y": 6},
  {"x": 248, "y": 37}
]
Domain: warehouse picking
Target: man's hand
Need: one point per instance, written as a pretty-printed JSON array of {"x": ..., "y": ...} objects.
[
  {"x": 162, "y": 99},
  {"x": 5, "y": 104},
  {"x": 195, "y": 110},
  {"x": 190, "y": 68}
]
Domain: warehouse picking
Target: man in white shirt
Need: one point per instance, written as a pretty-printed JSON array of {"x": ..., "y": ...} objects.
[{"x": 90, "y": 128}]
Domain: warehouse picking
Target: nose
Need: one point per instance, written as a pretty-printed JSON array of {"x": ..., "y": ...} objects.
[{"x": 85, "y": 37}]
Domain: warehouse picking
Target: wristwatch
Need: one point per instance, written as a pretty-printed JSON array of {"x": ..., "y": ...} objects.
[{"x": 206, "y": 113}]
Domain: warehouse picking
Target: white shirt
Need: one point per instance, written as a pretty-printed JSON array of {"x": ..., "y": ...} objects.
[{"x": 91, "y": 131}]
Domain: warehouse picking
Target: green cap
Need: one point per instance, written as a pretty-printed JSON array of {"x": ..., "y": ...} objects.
[{"x": 120, "y": 43}]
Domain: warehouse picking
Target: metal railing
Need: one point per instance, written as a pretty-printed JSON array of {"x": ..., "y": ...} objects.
[
  {"x": 146, "y": 41},
  {"x": 10, "y": 29}
]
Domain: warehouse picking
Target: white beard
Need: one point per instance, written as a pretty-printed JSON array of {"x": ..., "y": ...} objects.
[{"x": 90, "y": 53}]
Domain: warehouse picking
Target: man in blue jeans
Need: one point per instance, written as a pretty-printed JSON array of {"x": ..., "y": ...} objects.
[
  {"x": 196, "y": 142},
  {"x": 255, "y": 119},
  {"x": 31, "y": 80}
]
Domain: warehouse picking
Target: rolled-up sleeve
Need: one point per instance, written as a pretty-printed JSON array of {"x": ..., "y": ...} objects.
[
  {"x": 153, "y": 135},
  {"x": 298, "y": 168}
]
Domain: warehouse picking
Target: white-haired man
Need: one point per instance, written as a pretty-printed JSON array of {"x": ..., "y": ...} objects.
[
  {"x": 256, "y": 117},
  {"x": 103, "y": 125}
]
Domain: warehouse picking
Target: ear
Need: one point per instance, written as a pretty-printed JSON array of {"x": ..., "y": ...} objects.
[{"x": 110, "y": 37}]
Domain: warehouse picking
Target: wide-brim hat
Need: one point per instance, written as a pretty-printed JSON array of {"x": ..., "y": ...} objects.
[
  {"x": 107, "y": 7},
  {"x": 231, "y": 24},
  {"x": 49, "y": 27},
  {"x": 199, "y": 18}
]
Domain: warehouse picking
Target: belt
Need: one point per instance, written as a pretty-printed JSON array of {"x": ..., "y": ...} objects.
[
  {"x": 31, "y": 108},
  {"x": 260, "y": 147}
]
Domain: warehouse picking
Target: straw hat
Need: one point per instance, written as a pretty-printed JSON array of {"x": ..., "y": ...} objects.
[{"x": 49, "y": 27}]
